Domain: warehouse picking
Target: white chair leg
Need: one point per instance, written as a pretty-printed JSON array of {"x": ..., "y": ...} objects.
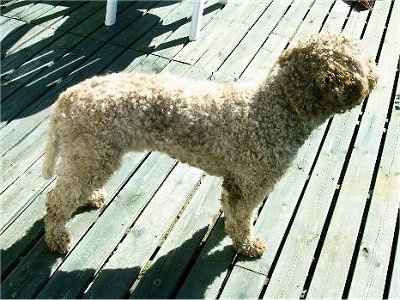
[
  {"x": 197, "y": 15},
  {"x": 111, "y": 12}
]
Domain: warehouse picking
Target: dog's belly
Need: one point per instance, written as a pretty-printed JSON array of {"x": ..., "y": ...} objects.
[{"x": 190, "y": 151}]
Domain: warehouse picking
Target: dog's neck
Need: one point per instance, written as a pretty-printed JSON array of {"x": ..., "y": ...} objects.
[{"x": 302, "y": 98}]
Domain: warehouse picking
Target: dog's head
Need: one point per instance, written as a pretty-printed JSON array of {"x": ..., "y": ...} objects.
[{"x": 333, "y": 68}]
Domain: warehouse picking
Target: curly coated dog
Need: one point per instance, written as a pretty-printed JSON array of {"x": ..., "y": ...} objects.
[{"x": 247, "y": 135}]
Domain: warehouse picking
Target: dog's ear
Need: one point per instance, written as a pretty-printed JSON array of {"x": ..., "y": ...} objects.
[{"x": 339, "y": 86}]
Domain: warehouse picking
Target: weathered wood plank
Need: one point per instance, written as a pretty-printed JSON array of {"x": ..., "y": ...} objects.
[
  {"x": 94, "y": 20},
  {"x": 27, "y": 228},
  {"x": 13, "y": 9},
  {"x": 263, "y": 62},
  {"x": 8, "y": 27},
  {"x": 32, "y": 273},
  {"x": 239, "y": 289},
  {"x": 290, "y": 274},
  {"x": 164, "y": 274},
  {"x": 222, "y": 33},
  {"x": 394, "y": 289},
  {"x": 25, "y": 189},
  {"x": 145, "y": 235},
  {"x": 22, "y": 70},
  {"x": 255, "y": 38},
  {"x": 207, "y": 275},
  {"x": 42, "y": 12},
  {"x": 48, "y": 42},
  {"x": 45, "y": 31},
  {"x": 128, "y": 14},
  {"x": 165, "y": 20},
  {"x": 145, "y": 20},
  {"x": 331, "y": 271},
  {"x": 14, "y": 163},
  {"x": 373, "y": 256},
  {"x": 179, "y": 37}
]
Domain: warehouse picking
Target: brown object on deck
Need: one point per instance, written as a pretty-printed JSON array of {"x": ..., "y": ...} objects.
[{"x": 367, "y": 3}]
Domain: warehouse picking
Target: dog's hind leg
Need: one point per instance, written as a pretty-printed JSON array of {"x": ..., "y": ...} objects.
[
  {"x": 239, "y": 212},
  {"x": 77, "y": 181}
]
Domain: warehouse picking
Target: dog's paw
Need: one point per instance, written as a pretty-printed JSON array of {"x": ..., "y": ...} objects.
[
  {"x": 251, "y": 248},
  {"x": 61, "y": 242},
  {"x": 97, "y": 199}
]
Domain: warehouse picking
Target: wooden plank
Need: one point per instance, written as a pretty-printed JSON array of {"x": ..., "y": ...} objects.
[
  {"x": 373, "y": 257},
  {"x": 21, "y": 70},
  {"x": 256, "y": 37},
  {"x": 19, "y": 238},
  {"x": 128, "y": 14},
  {"x": 53, "y": 25},
  {"x": 15, "y": 162},
  {"x": 291, "y": 270},
  {"x": 23, "y": 233},
  {"x": 331, "y": 271},
  {"x": 146, "y": 234},
  {"x": 94, "y": 20},
  {"x": 47, "y": 46},
  {"x": 394, "y": 290},
  {"x": 32, "y": 273},
  {"x": 238, "y": 289},
  {"x": 293, "y": 17},
  {"x": 14, "y": 8},
  {"x": 165, "y": 21},
  {"x": 8, "y": 27},
  {"x": 222, "y": 33},
  {"x": 46, "y": 11},
  {"x": 144, "y": 21},
  {"x": 290, "y": 273},
  {"x": 25, "y": 189},
  {"x": 163, "y": 276},
  {"x": 179, "y": 37},
  {"x": 32, "y": 47},
  {"x": 208, "y": 273},
  {"x": 3, "y": 20}
]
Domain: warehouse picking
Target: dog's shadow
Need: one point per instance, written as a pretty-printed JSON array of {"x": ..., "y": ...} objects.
[
  {"x": 35, "y": 275},
  {"x": 54, "y": 49}
]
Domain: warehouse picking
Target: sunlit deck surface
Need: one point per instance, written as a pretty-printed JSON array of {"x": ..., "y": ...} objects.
[{"x": 331, "y": 224}]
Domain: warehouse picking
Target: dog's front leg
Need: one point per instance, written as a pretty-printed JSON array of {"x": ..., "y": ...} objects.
[{"x": 239, "y": 212}]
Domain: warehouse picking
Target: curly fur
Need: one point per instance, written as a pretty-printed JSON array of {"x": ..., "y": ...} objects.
[{"x": 247, "y": 135}]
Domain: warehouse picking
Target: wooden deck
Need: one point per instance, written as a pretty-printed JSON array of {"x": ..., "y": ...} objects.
[{"x": 331, "y": 224}]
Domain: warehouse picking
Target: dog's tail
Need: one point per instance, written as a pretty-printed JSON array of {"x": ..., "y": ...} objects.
[{"x": 51, "y": 154}]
